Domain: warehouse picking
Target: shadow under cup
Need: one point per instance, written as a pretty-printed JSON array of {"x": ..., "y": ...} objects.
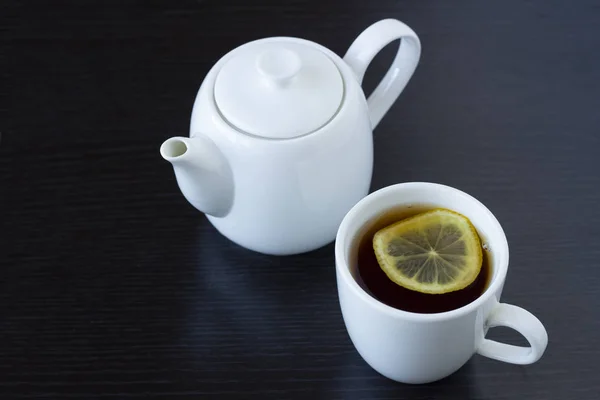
[{"x": 407, "y": 346}]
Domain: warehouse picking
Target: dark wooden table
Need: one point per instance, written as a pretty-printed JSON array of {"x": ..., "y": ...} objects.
[{"x": 112, "y": 286}]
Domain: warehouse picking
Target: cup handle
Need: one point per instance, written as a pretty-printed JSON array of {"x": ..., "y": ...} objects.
[
  {"x": 523, "y": 322},
  {"x": 365, "y": 48}
]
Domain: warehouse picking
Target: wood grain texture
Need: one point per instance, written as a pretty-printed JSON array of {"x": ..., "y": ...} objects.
[{"x": 113, "y": 287}]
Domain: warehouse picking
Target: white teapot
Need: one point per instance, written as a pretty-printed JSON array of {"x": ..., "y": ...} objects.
[{"x": 280, "y": 144}]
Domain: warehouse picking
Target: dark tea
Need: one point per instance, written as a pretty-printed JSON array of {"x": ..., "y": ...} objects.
[{"x": 374, "y": 281}]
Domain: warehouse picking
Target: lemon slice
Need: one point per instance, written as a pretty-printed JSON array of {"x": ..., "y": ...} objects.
[{"x": 435, "y": 252}]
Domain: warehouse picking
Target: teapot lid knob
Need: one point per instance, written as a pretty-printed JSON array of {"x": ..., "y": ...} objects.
[{"x": 279, "y": 65}]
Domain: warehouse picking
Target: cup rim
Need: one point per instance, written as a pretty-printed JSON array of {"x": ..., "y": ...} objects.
[{"x": 341, "y": 244}]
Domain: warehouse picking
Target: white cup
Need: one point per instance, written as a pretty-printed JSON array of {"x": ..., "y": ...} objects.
[{"x": 419, "y": 348}]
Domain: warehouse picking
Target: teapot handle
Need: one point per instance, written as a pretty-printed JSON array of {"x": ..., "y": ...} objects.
[{"x": 365, "y": 48}]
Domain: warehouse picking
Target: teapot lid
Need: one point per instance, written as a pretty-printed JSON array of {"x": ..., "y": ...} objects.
[{"x": 278, "y": 89}]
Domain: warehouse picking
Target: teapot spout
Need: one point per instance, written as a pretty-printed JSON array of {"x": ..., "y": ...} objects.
[{"x": 203, "y": 173}]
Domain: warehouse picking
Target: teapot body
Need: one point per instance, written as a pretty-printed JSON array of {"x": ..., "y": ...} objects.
[
  {"x": 290, "y": 195},
  {"x": 280, "y": 146}
]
